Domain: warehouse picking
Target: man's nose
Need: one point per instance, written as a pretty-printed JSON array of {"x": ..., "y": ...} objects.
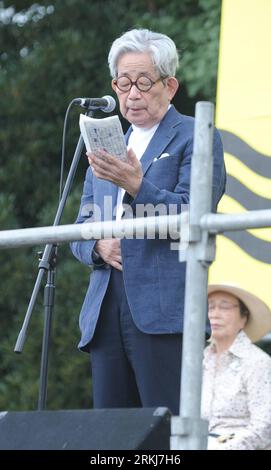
[{"x": 134, "y": 92}]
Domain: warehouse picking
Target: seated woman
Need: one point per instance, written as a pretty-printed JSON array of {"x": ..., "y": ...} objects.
[{"x": 236, "y": 389}]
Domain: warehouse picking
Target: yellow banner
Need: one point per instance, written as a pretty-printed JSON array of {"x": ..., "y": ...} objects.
[{"x": 244, "y": 120}]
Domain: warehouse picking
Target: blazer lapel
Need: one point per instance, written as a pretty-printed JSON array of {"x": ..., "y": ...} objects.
[{"x": 163, "y": 135}]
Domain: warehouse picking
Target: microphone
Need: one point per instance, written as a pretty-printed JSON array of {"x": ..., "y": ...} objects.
[{"x": 107, "y": 103}]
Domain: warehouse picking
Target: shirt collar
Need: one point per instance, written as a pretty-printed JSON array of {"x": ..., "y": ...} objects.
[
  {"x": 238, "y": 347},
  {"x": 143, "y": 130}
]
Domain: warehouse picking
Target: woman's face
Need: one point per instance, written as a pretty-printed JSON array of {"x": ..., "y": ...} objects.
[{"x": 224, "y": 315}]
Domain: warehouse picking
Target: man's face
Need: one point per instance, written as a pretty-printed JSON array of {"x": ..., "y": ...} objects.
[{"x": 143, "y": 109}]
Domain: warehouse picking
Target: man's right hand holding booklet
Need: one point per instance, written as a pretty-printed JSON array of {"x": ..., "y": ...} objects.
[
  {"x": 107, "y": 153},
  {"x": 125, "y": 174},
  {"x": 103, "y": 134}
]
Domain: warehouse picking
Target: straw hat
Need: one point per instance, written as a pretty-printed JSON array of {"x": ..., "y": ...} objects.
[{"x": 259, "y": 320}]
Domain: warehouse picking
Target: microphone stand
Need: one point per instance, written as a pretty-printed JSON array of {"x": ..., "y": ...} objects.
[{"x": 48, "y": 263}]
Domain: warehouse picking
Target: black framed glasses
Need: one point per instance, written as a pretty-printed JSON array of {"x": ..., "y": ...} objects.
[
  {"x": 142, "y": 83},
  {"x": 222, "y": 306}
]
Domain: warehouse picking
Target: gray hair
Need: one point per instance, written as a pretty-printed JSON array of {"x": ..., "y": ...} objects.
[{"x": 160, "y": 47}]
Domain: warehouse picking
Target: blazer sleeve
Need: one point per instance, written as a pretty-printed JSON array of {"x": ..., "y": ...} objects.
[{"x": 82, "y": 250}]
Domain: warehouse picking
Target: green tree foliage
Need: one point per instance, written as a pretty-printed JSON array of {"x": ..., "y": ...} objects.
[{"x": 51, "y": 52}]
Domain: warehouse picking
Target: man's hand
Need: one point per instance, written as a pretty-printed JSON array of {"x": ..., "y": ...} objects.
[
  {"x": 128, "y": 175},
  {"x": 109, "y": 250}
]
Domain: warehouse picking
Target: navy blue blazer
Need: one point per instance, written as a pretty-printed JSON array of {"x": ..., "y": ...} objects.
[{"x": 154, "y": 278}]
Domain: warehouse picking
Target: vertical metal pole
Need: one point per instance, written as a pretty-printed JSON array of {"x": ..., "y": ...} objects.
[{"x": 188, "y": 430}]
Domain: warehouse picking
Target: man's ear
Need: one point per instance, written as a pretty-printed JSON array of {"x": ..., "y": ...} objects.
[
  {"x": 172, "y": 86},
  {"x": 113, "y": 85}
]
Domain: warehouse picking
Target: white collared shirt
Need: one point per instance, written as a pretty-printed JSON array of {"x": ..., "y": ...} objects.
[
  {"x": 236, "y": 395},
  {"x": 138, "y": 141}
]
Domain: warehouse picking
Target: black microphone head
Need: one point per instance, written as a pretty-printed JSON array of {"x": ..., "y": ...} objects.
[{"x": 111, "y": 104}]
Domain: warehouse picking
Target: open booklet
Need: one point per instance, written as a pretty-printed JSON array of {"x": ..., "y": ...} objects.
[{"x": 103, "y": 134}]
